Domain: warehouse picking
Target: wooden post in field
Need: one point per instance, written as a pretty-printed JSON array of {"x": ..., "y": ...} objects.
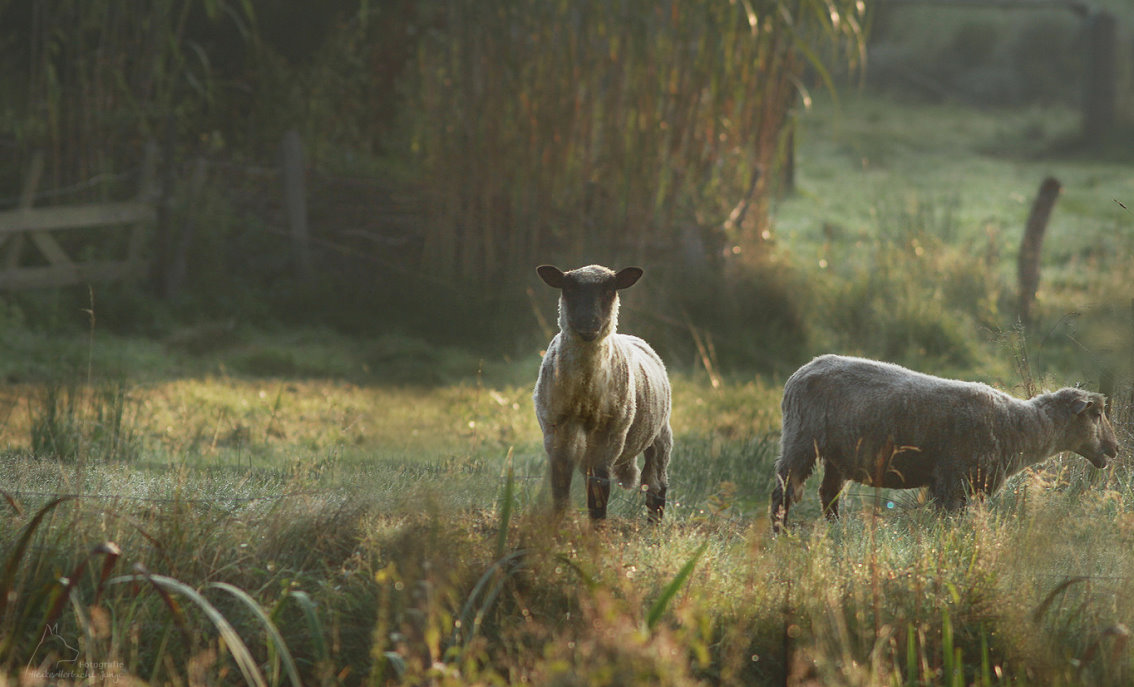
[
  {"x": 161, "y": 246},
  {"x": 179, "y": 266},
  {"x": 1028, "y": 262},
  {"x": 295, "y": 201},
  {"x": 1101, "y": 77},
  {"x": 148, "y": 190},
  {"x": 27, "y": 200},
  {"x": 788, "y": 171}
]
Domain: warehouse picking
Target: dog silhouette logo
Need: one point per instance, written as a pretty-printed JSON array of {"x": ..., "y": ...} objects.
[{"x": 52, "y": 640}]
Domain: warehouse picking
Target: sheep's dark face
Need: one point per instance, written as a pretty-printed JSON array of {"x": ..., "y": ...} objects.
[
  {"x": 588, "y": 304},
  {"x": 1090, "y": 433}
]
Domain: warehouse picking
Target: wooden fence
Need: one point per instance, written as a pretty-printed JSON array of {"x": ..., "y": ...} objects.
[
  {"x": 32, "y": 239},
  {"x": 50, "y": 265}
]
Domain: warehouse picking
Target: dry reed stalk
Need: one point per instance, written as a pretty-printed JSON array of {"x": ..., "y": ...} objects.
[{"x": 569, "y": 131}]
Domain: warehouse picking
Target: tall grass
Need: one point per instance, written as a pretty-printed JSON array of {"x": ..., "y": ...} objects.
[
  {"x": 68, "y": 421},
  {"x": 96, "y": 78},
  {"x": 604, "y": 131},
  {"x": 894, "y": 311},
  {"x": 314, "y": 589}
]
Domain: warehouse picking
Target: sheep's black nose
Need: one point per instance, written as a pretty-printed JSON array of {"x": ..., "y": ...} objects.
[
  {"x": 1100, "y": 459},
  {"x": 588, "y": 335}
]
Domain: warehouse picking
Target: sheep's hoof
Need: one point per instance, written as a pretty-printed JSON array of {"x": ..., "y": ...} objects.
[
  {"x": 656, "y": 506},
  {"x": 598, "y": 493},
  {"x": 779, "y": 521}
]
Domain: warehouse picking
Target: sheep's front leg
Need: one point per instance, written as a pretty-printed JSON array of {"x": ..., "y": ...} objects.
[
  {"x": 947, "y": 490},
  {"x": 598, "y": 491},
  {"x": 603, "y": 447},
  {"x": 788, "y": 490},
  {"x": 792, "y": 469},
  {"x": 830, "y": 489},
  {"x": 561, "y": 473},
  {"x": 564, "y": 444}
]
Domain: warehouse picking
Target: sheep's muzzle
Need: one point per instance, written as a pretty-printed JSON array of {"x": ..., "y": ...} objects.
[{"x": 1100, "y": 458}]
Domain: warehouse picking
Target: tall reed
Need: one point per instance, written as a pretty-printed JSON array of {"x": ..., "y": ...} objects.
[
  {"x": 558, "y": 130},
  {"x": 101, "y": 75}
]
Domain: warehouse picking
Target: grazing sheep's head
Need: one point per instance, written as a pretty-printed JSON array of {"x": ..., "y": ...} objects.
[
  {"x": 1089, "y": 432},
  {"x": 588, "y": 305}
]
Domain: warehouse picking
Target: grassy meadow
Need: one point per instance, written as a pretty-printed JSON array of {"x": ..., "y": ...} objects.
[{"x": 228, "y": 505}]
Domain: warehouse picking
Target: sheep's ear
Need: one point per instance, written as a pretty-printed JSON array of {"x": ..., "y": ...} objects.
[
  {"x": 551, "y": 275},
  {"x": 627, "y": 277},
  {"x": 1081, "y": 405}
]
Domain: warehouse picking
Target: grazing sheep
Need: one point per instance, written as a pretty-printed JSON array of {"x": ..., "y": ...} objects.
[
  {"x": 601, "y": 398},
  {"x": 885, "y": 426}
]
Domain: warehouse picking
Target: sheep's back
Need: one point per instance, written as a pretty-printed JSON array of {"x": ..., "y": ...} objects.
[{"x": 857, "y": 410}]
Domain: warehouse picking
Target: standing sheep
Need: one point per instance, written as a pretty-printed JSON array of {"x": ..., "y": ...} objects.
[
  {"x": 885, "y": 426},
  {"x": 601, "y": 397}
]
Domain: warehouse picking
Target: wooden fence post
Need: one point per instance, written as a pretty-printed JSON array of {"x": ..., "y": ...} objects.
[
  {"x": 1100, "y": 80},
  {"x": 161, "y": 246},
  {"x": 1028, "y": 262},
  {"x": 179, "y": 264},
  {"x": 27, "y": 200},
  {"x": 295, "y": 201},
  {"x": 147, "y": 179},
  {"x": 147, "y": 193}
]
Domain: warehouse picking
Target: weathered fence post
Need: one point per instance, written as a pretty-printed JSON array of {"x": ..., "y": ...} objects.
[
  {"x": 148, "y": 188},
  {"x": 31, "y": 181},
  {"x": 1028, "y": 262},
  {"x": 162, "y": 239},
  {"x": 27, "y": 200},
  {"x": 147, "y": 193},
  {"x": 1100, "y": 80},
  {"x": 295, "y": 201},
  {"x": 787, "y": 173},
  {"x": 179, "y": 266}
]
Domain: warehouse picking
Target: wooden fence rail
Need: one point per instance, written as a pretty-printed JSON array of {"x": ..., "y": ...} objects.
[{"x": 40, "y": 227}]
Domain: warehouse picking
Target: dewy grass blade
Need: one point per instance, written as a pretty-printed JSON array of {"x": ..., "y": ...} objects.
[
  {"x": 12, "y": 502},
  {"x": 670, "y": 591},
  {"x": 269, "y": 626},
  {"x": 10, "y": 567},
  {"x": 506, "y": 504},
  {"x": 1041, "y": 610},
  {"x": 108, "y": 549},
  {"x": 232, "y": 640},
  {"x": 314, "y": 625},
  {"x": 496, "y": 575}
]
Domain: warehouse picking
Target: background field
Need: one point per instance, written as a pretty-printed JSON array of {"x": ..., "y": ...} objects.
[{"x": 381, "y": 502}]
